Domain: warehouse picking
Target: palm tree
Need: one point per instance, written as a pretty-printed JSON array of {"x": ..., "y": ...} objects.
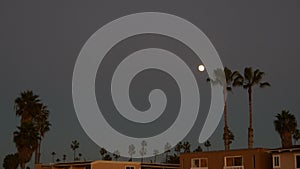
[
  {"x": 26, "y": 141},
  {"x": 167, "y": 150},
  {"x": 64, "y": 158},
  {"x": 248, "y": 81},
  {"x": 207, "y": 144},
  {"x": 79, "y": 156},
  {"x": 27, "y": 106},
  {"x": 155, "y": 153},
  {"x": 131, "y": 151},
  {"x": 143, "y": 150},
  {"x": 296, "y": 135},
  {"x": 286, "y": 126},
  {"x": 186, "y": 147},
  {"x": 116, "y": 155},
  {"x": 11, "y": 161},
  {"x": 226, "y": 83},
  {"x": 53, "y": 156},
  {"x": 74, "y": 146},
  {"x": 43, "y": 125},
  {"x": 198, "y": 149},
  {"x": 31, "y": 110},
  {"x": 178, "y": 148},
  {"x": 103, "y": 152}
]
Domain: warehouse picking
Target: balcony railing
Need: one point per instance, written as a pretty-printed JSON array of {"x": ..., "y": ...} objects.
[{"x": 233, "y": 167}]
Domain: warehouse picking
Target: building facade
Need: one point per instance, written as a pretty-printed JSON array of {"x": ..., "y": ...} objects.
[
  {"x": 100, "y": 164},
  {"x": 233, "y": 159},
  {"x": 286, "y": 158}
]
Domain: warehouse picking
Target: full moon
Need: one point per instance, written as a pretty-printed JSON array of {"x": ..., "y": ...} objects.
[{"x": 201, "y": 68}]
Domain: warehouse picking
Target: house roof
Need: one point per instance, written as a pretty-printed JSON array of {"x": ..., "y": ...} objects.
[{"x": 295, "y": 148}]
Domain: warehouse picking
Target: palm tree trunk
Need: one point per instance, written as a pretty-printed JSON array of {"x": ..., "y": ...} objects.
[
  {"x": 38, "y": 153},
  {"x": 74, "y": 154},
  {"x": 22, "y": 165},
  {"x": 166, "y": 157},
  {"x": 226, "y": 130},
  {"x": 286, "y": 140},
  {"x": 250, "y": 129}
]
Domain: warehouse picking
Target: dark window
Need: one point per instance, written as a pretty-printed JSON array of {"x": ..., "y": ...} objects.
[
  {"x": 298, "y": 161},
  {"x": 129, "y": 167}
]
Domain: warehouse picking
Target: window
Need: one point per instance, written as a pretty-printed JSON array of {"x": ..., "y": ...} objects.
[
  {"x": 234, "y": 161},
  {"x": 297, "y": 161},
  {"x": 276, "y": 161},
  {"x": 129, "y": 167},
  {"x": 200, "y": 163}
]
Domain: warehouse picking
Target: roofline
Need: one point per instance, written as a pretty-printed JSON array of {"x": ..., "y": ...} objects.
[
  {"x": 216, "y": 151},
  {"x": 279, "y": 150}
]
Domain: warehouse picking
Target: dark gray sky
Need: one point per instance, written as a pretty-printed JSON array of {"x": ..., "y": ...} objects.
[{"x": 40, "y": 41}]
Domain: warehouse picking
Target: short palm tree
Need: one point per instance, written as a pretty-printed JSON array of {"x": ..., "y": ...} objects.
[
  {"x": 53, "y": 156},
  {"x": 186, "y": 147},
  {"x": 11, "y": 161},
  {"x": 116, "y": 155},
  {"x": 207, "y": 144},
  {"x": 286, "y": 125},
  {"x": 248, "y": 81},
  {"x": 296, "y": 135},
  {"x": 74, "y": 146},
  {"x": 178, "y": 148},
  {"x": 26, "y": 140}
]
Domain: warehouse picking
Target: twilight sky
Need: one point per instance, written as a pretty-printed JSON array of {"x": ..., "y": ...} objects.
[{"x": 40, "y": 41}]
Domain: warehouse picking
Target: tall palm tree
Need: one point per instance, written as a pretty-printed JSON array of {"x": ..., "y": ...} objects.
[
  {"x": 26, "y": 140},
  {"x": 143, "y": 150},
  {"x": 31, "y": 110},
  {"x": 43, "y": 125},
  {"x": 227, "y": 86},
  {"x": 131, "y": 151},
  {"x": 74, "y": 146},
  {"x": 27, "y": 106},
  {"x": 248, "y": 81},
  {"x": 286, "y": 126}
]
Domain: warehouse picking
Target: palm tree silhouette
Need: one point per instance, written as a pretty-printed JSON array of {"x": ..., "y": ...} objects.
[
  {"x": 43, "y": 125},
  {"x": 207, "y": 144},
  {"x": 131, "y": 151},
  {"x": 74, "y": 146},
  {"x": 296, "y": 136},
  {"x": 186, "y": 147},
  {"x": 285, "y": 124},
  {"x": 64, "y": 158},
  {"x": 53, "y": 156},
  {"x": 225, "y": 79},
  {"x": 248, "y": 81},
  {"x": 26, "y": 140}
]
